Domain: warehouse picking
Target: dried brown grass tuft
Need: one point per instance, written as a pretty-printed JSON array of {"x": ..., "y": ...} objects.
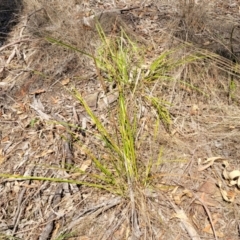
[
  {"x": 200, "y": 24},
  {"x": 193, "y": 19},
  {"x": 65, "y": 22}
]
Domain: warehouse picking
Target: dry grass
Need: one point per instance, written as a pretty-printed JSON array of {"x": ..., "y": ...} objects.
[{"x": 200, "y": 94}]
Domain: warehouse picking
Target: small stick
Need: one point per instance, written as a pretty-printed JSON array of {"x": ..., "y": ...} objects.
[
  {"x": 209, "y": 215},
  {"x": 13, "y": 43}
]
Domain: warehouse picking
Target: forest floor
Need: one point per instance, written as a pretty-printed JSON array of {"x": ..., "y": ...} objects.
[{"x": 61, "y": 174}]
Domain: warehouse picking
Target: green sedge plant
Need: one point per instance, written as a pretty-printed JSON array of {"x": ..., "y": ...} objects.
[{"x": 121, "y": 60}]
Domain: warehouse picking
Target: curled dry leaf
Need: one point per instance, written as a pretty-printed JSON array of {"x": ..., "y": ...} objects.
[
  {"x": 44, "y": 153},
  {"x": 92, "y": 99},
  {"x": 179, "y": 198},
  {"x": 87, "y": 22},
  {"x": 1, "y": 157},
  {"x": 74, "y": 176},
  {"x": 65, "y": 81},
  {"x": 227, "y": 196},
  {"x": 209, "y": 193},
  {"x": 86, "y": 164},
  {"x": 180, "y": 214},
  {"x": 194, "y": 110},
  {"x": 39, "y": 108},
  {"x": 208, "y": 163},
  {"x": 38, "y": 91},
  {"x": 108, "y": 99},
  {"x": 208, "y": 187},
  {"x": 232, "y": 176}
]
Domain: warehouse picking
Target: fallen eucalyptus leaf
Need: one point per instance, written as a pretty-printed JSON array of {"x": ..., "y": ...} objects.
[{"x": 208, "y": 163}]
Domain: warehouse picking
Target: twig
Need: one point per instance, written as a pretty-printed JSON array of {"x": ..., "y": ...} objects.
[
  {"x": 116, "y": 11},
  {"x": 128, "y": 9},
  {"x": 27, "y": 19},
  {"x": 19, "y": 210},
  {"x": 185, "y": 222},
  {"x": 209, "y": 215},
  {"x": 68, "y": 156},
  {"x": 21, "y": 204},
  {"x": 105, "y": 205},
  {"x": 113, "y": 227},
  {"x": 136, "y": 233},
  {"x": 49, "y": 227},
  {"x": 15, "y": 42}
]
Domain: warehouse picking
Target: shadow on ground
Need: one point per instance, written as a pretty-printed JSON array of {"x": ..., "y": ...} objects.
[{"x": 9, "y": 10}]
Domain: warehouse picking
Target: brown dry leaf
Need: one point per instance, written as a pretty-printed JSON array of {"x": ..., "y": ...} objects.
[
  {"x": 122, "y": 232},
  {"x": 1, "y": 157},
  {"x": 20, "y": 106},
  {"x": 165, "y": 187},
  {"x": 38, "y": 91},
  {"x": 208, "y": 200},
  {"x": 87, "y": 22},
  {"x": 60, "y": 127},
  {"x": 185, "y": 88},
  {"x": 194, "y": 110},
  {"x": 55, "y": 231},
  {"x": 74, "y": 176},
  {"x": 65, "y": 81},
  {"x": 206, "y": 43},
  {"x": 44, "y": 153},
  {"x": 194, "y": 217},
  {"x": 187, "y": 224},
  {"x": 91, "y": 99},
  {"x": 179, "y": 198},
  {"x": 86, "y": 164},
  {"x": 208, "y": 187},
  {"x": 208, "y": 163},
  {"x": 231, "y": 195},
  {"x": 23, "y": 116},
  {"x": 32, "y": 185},
  {"x": 208, "y": 229},
  {"x": 39, "y": 108},
  {"x": 54, "y": 100},
  {"x": 5, "y": 139},
  {"x": 25, "y": 88},
  {"x": 227, "y": 196},
  {"x": 105, "y": 101},
  {"x": 210, "y": 193}
]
